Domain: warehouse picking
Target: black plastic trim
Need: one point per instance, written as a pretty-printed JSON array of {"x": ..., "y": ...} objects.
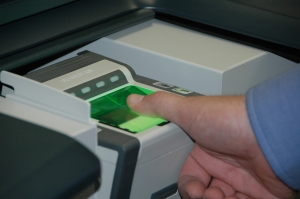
[
  {"x": 128, "y": 149},
  {"x": 24, "y": 59},
  {"x": 13, "y": 10},
  {"x": 59, "y": 22},
  {"x": 165, "y": 192}
]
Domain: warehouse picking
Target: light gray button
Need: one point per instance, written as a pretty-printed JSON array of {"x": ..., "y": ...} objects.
[
  {"x": 86, "y": 89},
  {"x": 100, "y": 84},
  {"x": 114, "y": 78},
  {"x": 73, "y": 94},
  {"x": 163, "y": 85},
  {"x": 182, "y": 91}
]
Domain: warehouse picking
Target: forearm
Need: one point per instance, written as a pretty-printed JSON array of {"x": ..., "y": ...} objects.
[{"x": 273, "y": 109}]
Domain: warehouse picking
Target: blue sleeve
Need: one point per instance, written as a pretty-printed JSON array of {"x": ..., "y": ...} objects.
[{"x": 274, "y": 112}]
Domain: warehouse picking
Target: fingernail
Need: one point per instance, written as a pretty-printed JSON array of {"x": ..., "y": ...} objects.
[{"x": 134, "y": 98}]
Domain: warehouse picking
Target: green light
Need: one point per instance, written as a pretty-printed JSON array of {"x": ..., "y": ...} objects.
[
  {"x": 141, "y": 123},
  {"x": 112, "y": 109}
]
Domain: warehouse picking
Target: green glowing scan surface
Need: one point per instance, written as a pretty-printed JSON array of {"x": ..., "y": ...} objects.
[{"x": 112, "y": 109}]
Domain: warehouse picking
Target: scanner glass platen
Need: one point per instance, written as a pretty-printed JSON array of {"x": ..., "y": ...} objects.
[{"x": 112, "y": 109}]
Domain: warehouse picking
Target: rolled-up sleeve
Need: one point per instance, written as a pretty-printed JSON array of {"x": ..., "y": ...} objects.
[{"x": 274, "y": 112}]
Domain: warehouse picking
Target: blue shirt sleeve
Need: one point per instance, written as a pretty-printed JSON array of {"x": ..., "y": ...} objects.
[{"x": 274, "y": 112}]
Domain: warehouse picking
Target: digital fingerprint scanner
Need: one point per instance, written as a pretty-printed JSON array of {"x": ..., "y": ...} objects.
[
  {"x": 111, "y": 109},
  {"x": 135, "y": 151}
]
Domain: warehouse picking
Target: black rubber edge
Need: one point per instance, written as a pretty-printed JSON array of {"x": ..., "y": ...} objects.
[
  {"x": 165, "y": 192},
  {"x": 6, "y": 85}
]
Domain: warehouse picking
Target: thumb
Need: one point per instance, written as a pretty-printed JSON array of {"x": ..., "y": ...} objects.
[{"x": 158, "y": 104}]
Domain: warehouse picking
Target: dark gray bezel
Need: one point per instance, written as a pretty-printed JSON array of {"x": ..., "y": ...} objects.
[{"x": 37, "y": 162}]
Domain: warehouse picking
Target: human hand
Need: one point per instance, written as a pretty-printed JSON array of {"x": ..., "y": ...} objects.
[{"x": 226, "y": 161}]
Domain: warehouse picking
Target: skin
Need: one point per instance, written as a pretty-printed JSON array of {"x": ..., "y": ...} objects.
[{"x": 226, "y": 161}]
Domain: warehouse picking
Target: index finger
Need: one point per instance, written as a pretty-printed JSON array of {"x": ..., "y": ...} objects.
[{"x": 159, "y": 104}]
